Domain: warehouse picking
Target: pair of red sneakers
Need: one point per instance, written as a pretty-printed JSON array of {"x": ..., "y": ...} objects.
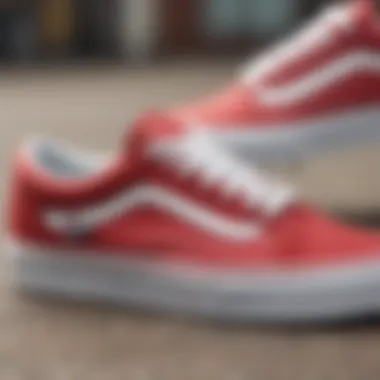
[{"x": 177, "y": 222}]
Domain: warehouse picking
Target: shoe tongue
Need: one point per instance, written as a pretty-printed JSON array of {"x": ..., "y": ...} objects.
[
  {"x": 359, "y": 12},
  {"x": 149, "y": 130},
  {"x": 366, "y": 7},
  {"x": 351, "y": 15}
]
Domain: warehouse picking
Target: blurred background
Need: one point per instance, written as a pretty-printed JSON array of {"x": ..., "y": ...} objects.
[
  {"x": 114, "y": 30},
  {"x": 82, "y": 70}
]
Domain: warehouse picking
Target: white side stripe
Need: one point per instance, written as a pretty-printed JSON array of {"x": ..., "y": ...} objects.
[
  {"x": 153, "y": 196},
  {"x": 319, "y": 79}
]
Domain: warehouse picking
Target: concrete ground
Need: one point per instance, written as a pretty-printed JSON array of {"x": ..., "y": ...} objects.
[{"x": 41, "y": 339}]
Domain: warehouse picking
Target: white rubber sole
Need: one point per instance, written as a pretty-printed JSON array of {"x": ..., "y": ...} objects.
[
  {"x": 303, "y": 297},
  {"x": 305, "y": 138}
]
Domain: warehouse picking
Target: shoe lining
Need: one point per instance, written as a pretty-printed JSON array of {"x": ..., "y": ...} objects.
[{"x": 64, "y": 161}]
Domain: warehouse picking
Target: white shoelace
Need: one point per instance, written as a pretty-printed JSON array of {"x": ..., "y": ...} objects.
[
  {"x": 197, "y": 154},
  {"x": 311, "y": 37}
]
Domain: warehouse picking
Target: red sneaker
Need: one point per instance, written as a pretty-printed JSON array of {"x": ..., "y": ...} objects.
[
  {"x": 175, "y": 223},
  {"x": 319, "y": 89}
]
